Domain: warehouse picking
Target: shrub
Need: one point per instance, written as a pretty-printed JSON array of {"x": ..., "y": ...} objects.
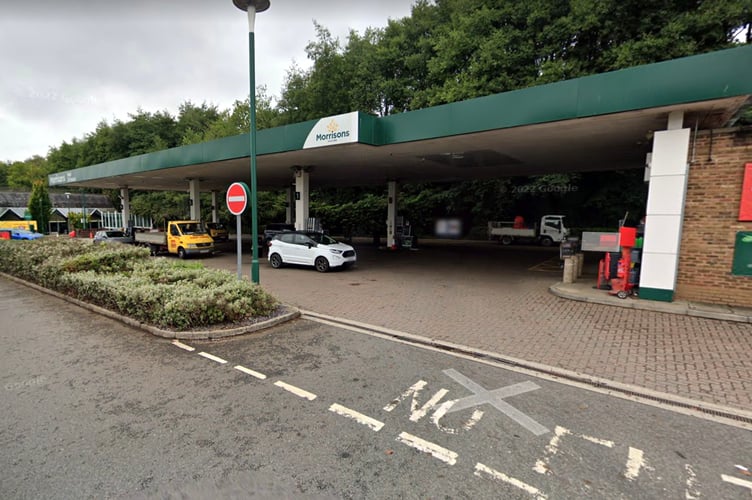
[{"x": 158, "y": 291}]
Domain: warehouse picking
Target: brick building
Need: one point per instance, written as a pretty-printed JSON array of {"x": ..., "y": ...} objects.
[{"x": 717, "y": 162}]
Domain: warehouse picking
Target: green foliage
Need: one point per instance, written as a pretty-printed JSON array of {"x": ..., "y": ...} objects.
[
  {"x": 75, "y": 220},
  {"x": 4, "y": 168},
  {"x": 451, "y": 50},
  {"x": 157, "y": 291},
  {"x": 160, "y": 205},
  {"x": 40, "y": 205},
  {"x": 22, "y": 175}
]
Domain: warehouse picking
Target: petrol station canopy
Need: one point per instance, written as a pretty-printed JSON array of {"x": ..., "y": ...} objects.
[{"x": 599, "y": 122}]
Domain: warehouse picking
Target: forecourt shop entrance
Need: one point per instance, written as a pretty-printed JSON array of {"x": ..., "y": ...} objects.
[{"x": 652, "y": 115}]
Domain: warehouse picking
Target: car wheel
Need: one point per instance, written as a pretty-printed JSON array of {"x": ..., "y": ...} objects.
[
  {"x": 181, "y": 253},
  {"x": 546, "y": 241},
  {"x": 322, "y": 265},
  {"x": 506, "y": 240},
  {"x": 153, "y": 250},
  {"x": 276, "y": 261}
]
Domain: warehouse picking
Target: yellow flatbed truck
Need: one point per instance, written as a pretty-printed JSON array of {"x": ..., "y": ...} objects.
[
  {"x": 185, "y": 238},
  {"x": 29, "y": 225}
]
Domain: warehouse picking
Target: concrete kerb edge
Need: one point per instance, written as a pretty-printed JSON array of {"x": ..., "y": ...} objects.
[
  {"x": 628, "y": 391},
  {"x": 671, "y": 308},
  {"x": 289, "y": 314}
]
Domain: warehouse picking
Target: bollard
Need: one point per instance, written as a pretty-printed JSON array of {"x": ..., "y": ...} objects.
[{"x": 569, "y": 270}]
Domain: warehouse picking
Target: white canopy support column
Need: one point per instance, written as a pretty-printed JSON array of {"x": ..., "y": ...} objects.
[
  {"x": 195, "y": 196},
  {"x": 215, "y": 212},
  {"x": 302, "y": 187},
  {"x": 126, "y": 201},
  {"x": 289, "y": 212},
  {"x": 391, "y": 214},
  {"x": 669, "y": 170}
]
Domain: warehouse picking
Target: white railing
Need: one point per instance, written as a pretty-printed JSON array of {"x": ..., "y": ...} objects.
[{"x": 115, "y": 220}]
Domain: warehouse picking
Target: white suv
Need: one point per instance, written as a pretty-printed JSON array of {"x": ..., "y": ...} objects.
[{"x": 309, "y": 248}]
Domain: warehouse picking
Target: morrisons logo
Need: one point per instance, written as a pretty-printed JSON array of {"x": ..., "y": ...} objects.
[{"x": 333, "y": 132}]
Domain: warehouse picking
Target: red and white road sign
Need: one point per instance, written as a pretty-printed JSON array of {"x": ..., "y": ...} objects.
[{"x": 237, "y": 198}]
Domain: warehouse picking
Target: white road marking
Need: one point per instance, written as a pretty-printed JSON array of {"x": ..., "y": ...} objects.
[
  {"x": 496, "y": 399},
  {"x": 413, "y": 390},
  {"x": 691, "y": 493},
  {"x": 296, "y": 390},
  {"x": 357, "y": 416},
  {"x": 212, "y": 357},
  {"x": 500, "y": 476},
  {"x": 430, "y": 404},
  {"x": 635, "y": 461},
  {"x": 541, "y": 465},
  {"x": 443, "y": 454},
  {"x": 737, "y": 481},
  {"x": 250, "y": 372},
  {"x": 602, "y": 442},
  {"x": 179, "y": 344},
  {"x": 538, "y": 370},
  {"x": 442, "y": 410}
]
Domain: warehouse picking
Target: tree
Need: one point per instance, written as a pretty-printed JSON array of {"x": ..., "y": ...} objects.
[
  {"x": 22, "y": 174},
  {"x": 40, "y": 205},
  {"x": 4, "y": 168},
  {"x": 169, "y": 205},
  {"x": 194, "y": 120}
]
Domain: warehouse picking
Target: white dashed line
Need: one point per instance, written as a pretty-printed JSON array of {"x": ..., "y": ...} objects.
[
  {"x": 500, "y": 476},
  {"x": 295, "y": 390},
  {"x": 179, "y": 344},
  {"x": 212, "y": 357},
  {"x": 635, "y": 462},
  {"x": 358, "y": 417},
  {"x": 443, "y": 454},
  {"x": 250, "y": 372}
]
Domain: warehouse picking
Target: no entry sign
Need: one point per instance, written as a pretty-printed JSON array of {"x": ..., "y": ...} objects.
[{"x": 237, "y": 197}]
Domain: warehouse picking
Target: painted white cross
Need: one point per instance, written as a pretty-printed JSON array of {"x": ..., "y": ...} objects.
[{"x": 496, "y": 399}]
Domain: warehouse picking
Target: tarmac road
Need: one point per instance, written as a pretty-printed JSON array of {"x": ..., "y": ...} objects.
[{"x": 95, "y": 409}]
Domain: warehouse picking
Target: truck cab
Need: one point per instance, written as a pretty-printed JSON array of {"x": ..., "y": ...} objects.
[
  {"x": 552, "y": 229},
  {"x": 188, "y": 238},
  {"x": 217, "y": 231}
]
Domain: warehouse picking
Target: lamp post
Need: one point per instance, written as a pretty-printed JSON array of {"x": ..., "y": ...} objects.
[
  {"x": 252, "y": 7},
  {"x": 67, "y": 218}
]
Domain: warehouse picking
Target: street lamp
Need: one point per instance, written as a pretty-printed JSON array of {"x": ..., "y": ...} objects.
[
  {"x": 252, "y": 7},
  {"x": 67, "y": 218}
]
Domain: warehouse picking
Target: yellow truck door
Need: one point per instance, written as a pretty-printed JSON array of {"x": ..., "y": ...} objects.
[{"x": 173, "y": 238}]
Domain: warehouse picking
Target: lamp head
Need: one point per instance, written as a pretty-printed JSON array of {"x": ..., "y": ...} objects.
[{"x": 258, "y": 5}]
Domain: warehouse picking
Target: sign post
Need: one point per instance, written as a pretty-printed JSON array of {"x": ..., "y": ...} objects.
[{"x": 237, "y": 200}]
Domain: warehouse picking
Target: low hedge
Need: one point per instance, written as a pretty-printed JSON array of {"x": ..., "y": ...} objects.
[{"x": 159, "y": 291}]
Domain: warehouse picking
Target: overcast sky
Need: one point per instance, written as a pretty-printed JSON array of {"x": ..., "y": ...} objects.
[{"x": 65, "y": 65}]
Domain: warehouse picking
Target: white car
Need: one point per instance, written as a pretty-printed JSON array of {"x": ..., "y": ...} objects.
[{"x": 309, "y": 248}]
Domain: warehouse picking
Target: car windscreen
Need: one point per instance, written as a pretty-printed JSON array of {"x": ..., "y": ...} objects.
[
  {"x": 322, "y": 239},
  {"x": 192, "y": 228},
  {"x": 115, "y": 234}
]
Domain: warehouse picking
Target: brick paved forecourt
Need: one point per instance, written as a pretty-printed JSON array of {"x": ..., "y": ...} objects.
[{"x": 486, "y": 297}]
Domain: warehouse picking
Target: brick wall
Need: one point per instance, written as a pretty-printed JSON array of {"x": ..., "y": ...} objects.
[{"x": 714, "y": 187}]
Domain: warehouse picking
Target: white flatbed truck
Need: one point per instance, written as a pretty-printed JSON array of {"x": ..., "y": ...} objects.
[{"x": 551, "y": 230}]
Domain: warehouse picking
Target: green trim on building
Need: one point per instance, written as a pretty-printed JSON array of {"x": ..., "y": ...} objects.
[
  {"x": 715, "y": 75},
  {"x": 704, "y": 77},
  {"x": 657, "y": 294},
  {"x": 369, "y": 130}
]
